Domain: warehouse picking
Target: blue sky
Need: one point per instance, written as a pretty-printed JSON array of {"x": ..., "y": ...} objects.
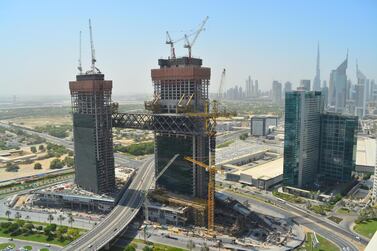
[{"x": 269, "y": 40}]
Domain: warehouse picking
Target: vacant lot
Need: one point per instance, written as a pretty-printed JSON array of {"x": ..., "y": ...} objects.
[
  {"x": 32, "y": 122},
  {"x": 28, "y": 169}
]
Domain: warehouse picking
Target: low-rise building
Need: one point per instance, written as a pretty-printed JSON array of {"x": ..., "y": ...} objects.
[{"x": 262, "y": 125}]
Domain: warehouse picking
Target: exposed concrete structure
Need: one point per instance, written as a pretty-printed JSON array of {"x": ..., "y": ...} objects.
[
  {"x": 181, "y": 86},
  {"x": 92, "y": 130}
]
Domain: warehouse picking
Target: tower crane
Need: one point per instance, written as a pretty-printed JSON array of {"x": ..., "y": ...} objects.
[
  {"x": 189, "y": 44},
  {"x": 212, "y": 170},
  {"x": 94, "y": 69},
  {"x": 171, "y": 42}
]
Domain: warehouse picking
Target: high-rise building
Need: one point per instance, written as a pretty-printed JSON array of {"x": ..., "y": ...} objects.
[
  {"x": 287, "y": 87},
  {"x": 317, "y": 78},
  {"x": 305, "y": 84},
  {"x": 301, "y": 140},
  {"x": 362, "y": 92},
  {"x": 92, "y": 131},
  {"x": 338, "y": 88},
  {"x": 276, "y": 92},
  {"x": 181, "y": 85},
  {"x": 249, "y": 88},
  {"x": 337, "y": 156},
  {"x": 325, "y": 94},
  {"x": 256, "y": 88}
]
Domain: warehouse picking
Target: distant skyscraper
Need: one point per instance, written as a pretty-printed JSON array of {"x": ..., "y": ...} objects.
[
  {"x": 287, "y": 86},
  {"x": 361, "y": 92},
  {"x": 305, "y": 83},
  {"x": 276, "y": 92},
  {"x": 317, "y": 78},
  {"x": 256, "y": 88},
  {"x": 301, "y": 141},
  {"x": 249, "y": 88},
  {"x": 338, "y": 141},
  {"x": 338, "y": 87}
]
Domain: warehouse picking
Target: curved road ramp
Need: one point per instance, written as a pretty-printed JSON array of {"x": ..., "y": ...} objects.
[{"x": 122, "y": 214}]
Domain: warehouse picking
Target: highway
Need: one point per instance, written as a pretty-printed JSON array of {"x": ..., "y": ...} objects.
[
  {"x": 321, "y": 227},
  {"x": 121, "y": 215}
]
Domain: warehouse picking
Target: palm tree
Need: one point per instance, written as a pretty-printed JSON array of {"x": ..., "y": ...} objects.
[
  {"x": 61, "y": 218},
  {"x": 18, "y": 215},
  {"x": 8, "y": 213},
  {"x": 50, "y": 218},
  {"x": 70, "y": 219}
]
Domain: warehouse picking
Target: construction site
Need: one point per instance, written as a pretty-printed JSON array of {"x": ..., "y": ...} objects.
[{"x": 183, "y": 121}]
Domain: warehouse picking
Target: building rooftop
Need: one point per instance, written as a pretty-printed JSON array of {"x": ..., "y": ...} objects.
[
  {"x": 265, "y": 171},
  {"x": 366, "y": 151}
]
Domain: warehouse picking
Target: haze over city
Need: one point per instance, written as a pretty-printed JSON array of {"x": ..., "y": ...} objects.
[
  {"x": 188, "y": 125},
  {"x": 268, "y": 40}
]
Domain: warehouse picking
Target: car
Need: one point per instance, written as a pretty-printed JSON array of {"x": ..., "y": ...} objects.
[
  {"x": 48, "y": 245},
  {"x": 115, "y": 229},
  {"x": 90, "y": 246},
  {"x": 10, "y": 239}
]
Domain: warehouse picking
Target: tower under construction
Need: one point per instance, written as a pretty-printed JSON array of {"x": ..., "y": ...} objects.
[
  {"x": 181, "y": 88},
  {"x": 92, "y": 130}
]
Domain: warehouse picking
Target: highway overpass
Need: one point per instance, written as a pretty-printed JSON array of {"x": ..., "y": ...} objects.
[{"x": 122, "y": 214}]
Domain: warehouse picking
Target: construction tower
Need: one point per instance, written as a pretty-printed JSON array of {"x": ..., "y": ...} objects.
[{"x": 181, "y": 88}]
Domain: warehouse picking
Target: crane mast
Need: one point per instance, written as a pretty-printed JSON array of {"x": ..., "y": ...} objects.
[
  {"x": 79, "y": 67},
  {"x": 189, "y": 44},
  {"x": 94, "y": 69}
]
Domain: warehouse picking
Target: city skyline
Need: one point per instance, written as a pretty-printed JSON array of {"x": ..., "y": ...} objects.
[{"x": 249, "y": 44}]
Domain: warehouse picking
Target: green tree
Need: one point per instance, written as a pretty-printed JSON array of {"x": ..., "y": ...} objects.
[
  {"x": 33, "y": 149},
  {"x": 130, "y": 247},
  {"x": 147, "y": 248},
  {"x": 50, "y": 218},
  {"x": 61, "y": 218},
  {"x": 41, "y": 148},
  {"x": 71, "y": 220},
  {"x": 18, "y": 215},
  {"x": 56, "y": 164},
  {"x": 37, "y": 166},
  {"x": 8, "y": 213}
]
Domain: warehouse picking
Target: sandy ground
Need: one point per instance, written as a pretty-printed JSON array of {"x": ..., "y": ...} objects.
[
  {"x": 32, "y": 122},
  {"x": 27, "y": 169}
]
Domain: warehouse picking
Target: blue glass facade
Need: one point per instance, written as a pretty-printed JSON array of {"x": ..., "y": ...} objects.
[{"x": 338, "y": 147}]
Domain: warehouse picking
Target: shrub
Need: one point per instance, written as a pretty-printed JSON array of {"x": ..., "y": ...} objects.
[
  {"x": 37, "y": 166},
  {"x": 56, "y": 164}
]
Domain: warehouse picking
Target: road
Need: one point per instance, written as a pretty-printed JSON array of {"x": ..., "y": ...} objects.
[
  {"x": 36, "y": 245},
  {"x": 121, "y": 215},
  {"x": 317, "y": 225}
]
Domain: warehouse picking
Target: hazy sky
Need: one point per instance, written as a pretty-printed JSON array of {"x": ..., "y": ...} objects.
[{"x": 269, "y": 40}]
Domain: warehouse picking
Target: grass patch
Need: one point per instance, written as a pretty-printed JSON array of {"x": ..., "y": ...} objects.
[
  {"x": 335, "y": 219},
  {"x": 324, "y": 244},
  {"x": 225, "y": 144},
  {"x": 343, "y": 210},
  {"x": 5, "y": 245},
  {"x": 288, "y": 197},
  {"x": 44, "y": 249},
  {"x": 366, "y": 228},
  {"x": 320, "y": 209},
  {"x": 26, "y": 230},
  {"x": 28, "y": 247}
]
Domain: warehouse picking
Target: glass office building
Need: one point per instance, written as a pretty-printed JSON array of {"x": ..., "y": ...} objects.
[
  {"x": 301, "y": 141},
  {"x": 338, "y": 147}
]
